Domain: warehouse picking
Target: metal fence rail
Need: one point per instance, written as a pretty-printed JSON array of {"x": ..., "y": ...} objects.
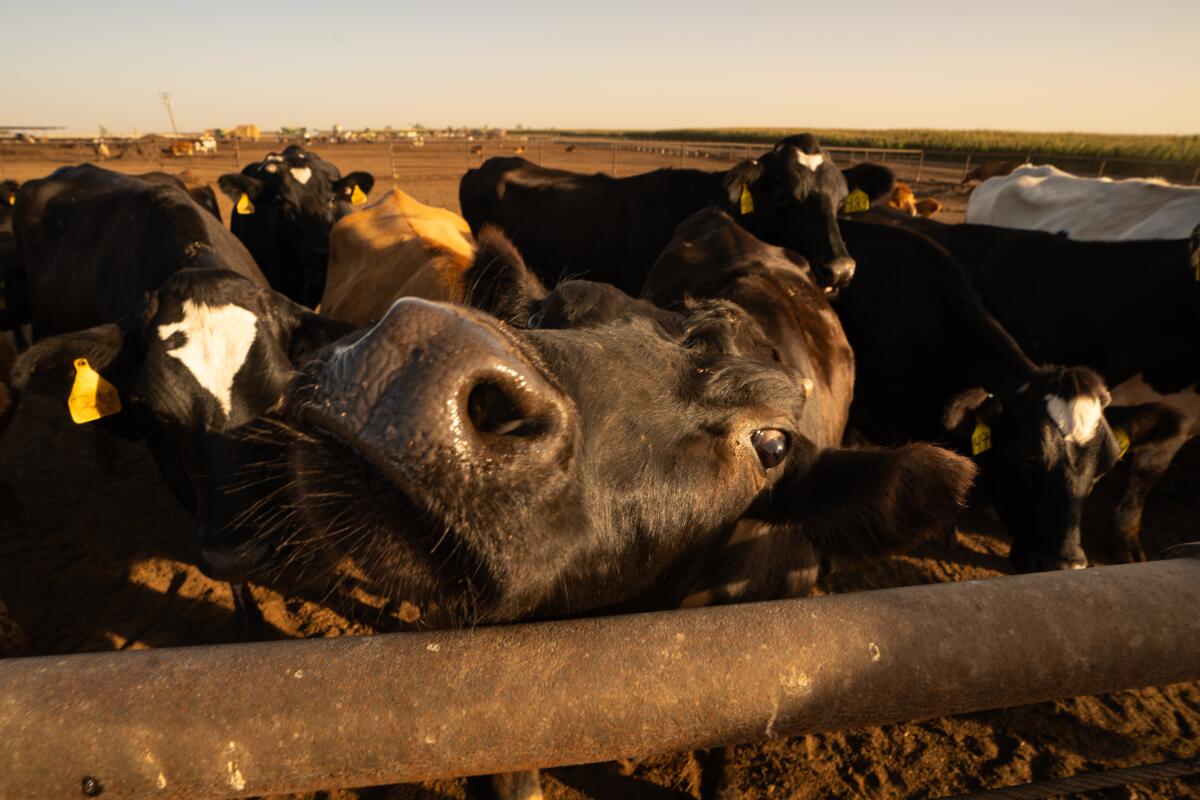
[{"x": 267, "y": 718}]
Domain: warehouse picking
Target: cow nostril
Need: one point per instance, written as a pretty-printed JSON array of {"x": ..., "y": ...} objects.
[{"x": 494, "y": 411}]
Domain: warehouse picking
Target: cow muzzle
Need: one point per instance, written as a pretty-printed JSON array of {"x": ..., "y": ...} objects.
[{"x": 439, "y": 390}]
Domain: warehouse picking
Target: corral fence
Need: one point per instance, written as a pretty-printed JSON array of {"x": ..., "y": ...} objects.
[
  {"x": 269, "y": 718},
  {"x": 430, "y": 157}
]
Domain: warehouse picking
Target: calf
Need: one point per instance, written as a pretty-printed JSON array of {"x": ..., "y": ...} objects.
[
  {"x": 1126, "y": 309},
  {"x": 612, "y": 229},
  {"x": 933, "y": 364},
  {"x": 539, "y": 453},
  {"x": 284, "y": 207},
  {"x": 154, "y": 320},
  {"x": 396, "y": 248}
]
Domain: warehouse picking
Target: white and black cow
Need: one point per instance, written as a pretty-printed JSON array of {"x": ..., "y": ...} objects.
[
  {"x": 934, "y": 364},
  {"x": 612, "y": 229},
  {"x": 283, "y": 209},
  {"x": 1126, "y": 309},
  {"x": 167, "y": 307},
  {"x": 1044, "y": 198}
]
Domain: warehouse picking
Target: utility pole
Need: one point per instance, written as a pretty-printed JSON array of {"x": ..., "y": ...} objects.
[{"x": 166, "y": 101}]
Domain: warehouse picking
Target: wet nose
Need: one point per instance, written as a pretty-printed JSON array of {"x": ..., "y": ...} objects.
[
  {"x": 841, "y": 272},
  {"x": 432, "y": 380}
]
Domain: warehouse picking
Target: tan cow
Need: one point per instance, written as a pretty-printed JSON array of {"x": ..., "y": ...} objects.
[
  {"x": 902, "y": 199},
  {"x": 399, "y": 247}
]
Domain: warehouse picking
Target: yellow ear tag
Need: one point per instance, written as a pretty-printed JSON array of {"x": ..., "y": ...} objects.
[
  {"x": 1123, "y": 442},
  {"x": 12, "y": 199},
  {"x": 981, "y": 439},
  {"x": 358, "y": 197},
  {"x": 244, "y": 206},
  {"x": 856, "y": 201},
  {"x": 747, "y": 202},
  {"x": 92, "y": 397}
]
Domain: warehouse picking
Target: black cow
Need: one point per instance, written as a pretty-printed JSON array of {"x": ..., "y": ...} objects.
[
  {"x": 13, "y": 311},
  {"x": 283, "y": 209},
  {"x": 546, "y": 453},
  {"x": 612, "y": 229},
  {"x": 1128, "y": 309},
  {"x": 933, "y": 364},
  {"x": 170, "y": 310}
]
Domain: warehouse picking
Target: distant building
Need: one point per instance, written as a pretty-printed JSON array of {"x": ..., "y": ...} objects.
[{"x": 250, "y": 133}]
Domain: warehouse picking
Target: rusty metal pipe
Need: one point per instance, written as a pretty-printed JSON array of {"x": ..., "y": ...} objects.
[{"x": 268, "y": 718}]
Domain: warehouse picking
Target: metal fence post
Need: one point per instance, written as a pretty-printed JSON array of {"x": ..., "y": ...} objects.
[
  {"x": 966, "y": 168},
  {"x": 920, "y": 166},
  {"x": 1196, "y": 176},
  {"x": 1100, "y": 174},
  {"x": 237, "y": 152}
]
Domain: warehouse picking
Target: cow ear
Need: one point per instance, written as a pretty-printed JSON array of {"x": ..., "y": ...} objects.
[
  {"x": 48, "y": 367},
  {"x": 235, "y": 184},
  {"x": 345, "y": 188},
  {"x": 874, "y": 180},
  {"x": 741, "y": 176},
  {"x": 968, "y": 409},
  {"x": 861, "y": 503},
  {"x": 305, "y": 330},
  {"x": 1147, "y": 425},
  {"x": 499, "y": 282}
]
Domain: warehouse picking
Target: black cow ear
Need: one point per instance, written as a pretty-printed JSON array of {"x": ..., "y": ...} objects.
[
  {"x": 741, "y": 176},
  {"x": 861, "y": 503},
  {"x": 1154, "y": 425},
  {"x": 48, "y": 367},
  {"x": 499, "y": 282},
  {"x": 969, "y": 407},
  {"x": 874, "y": 180},
  {"x": 305, "y": 330},
  {"x": 354, "y": 187},
  {"x": 235, "y": 184}
]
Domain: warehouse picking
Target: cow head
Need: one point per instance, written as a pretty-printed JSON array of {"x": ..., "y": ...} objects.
[
  {"x": 1043, "y": 445},
  {"x": 283, "y": 209},
  {"x": 791, "y": 197},
  {"x": 551, "y": 452},
  {"x": 205, "y": 354}
]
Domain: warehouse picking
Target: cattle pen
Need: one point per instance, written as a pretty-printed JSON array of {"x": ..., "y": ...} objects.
[{"x": 251, "y": 719}]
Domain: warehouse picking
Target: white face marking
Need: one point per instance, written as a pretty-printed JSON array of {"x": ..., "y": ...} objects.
[
  {"x": 812, "y": 162},
  {"x": 1077, "y": 418},
  {"x": 218, "y": 341},
  {"x": 301, "y": 174}
]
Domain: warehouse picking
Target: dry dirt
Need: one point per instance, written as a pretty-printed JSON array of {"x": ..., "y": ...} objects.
[{"x": 102, "y": 564}]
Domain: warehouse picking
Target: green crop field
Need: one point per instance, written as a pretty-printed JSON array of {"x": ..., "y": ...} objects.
[{"x": 1102, "y": 145}]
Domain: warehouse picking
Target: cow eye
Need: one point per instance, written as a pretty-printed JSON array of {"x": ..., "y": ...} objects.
[
  {"x": 771, "y": 444},
  {"x": 535, "y": 320}
]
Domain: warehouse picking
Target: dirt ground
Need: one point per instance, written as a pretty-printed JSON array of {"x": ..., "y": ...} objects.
[{"x": 102, "y": 564}]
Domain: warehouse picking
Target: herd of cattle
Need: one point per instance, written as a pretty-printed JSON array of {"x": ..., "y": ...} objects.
[{"x": 595, "y": 394}]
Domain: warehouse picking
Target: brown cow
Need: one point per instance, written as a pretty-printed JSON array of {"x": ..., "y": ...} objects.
[
  {"x": 991, "y": 169},
  {"x": 398, "y": 247},
  {"x": 519, "y": 150},
  {"x": 902, "y": 199}
]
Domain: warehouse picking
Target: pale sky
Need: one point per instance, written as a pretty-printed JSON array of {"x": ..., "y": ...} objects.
[{"x": 1018, "y": 65}]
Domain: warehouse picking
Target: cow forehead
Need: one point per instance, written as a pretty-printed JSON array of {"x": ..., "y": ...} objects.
[
  {"x": 217, "y": 341},
  {"x": 301, "y": 174},
  {"x": 1077, "y": 417},
  {"x": 811, "y": 162}
]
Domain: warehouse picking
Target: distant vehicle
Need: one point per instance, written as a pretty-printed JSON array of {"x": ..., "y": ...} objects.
[{"x": 248, "y": 132}]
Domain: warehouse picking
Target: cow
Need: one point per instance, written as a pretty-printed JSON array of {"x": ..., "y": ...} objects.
[
  {"x": 10, "y": 504},
  {"x": 13, "y": 311},
  {"x": 284, "y": 207},
  {"x": 903, "y": 199},
  {"x": 193, "y": 184},
  {"x": 153, "y": 321},
  {"x": 928, "y": 206},
  {"x": 1127, "y": 309},
  {"x": 612, "y": 229},
  {"x": 934, "y": 365},
  {"x": 990, "y": 169},
  {"x": 1045, "y": 198},
  {"x": 519, "y": 150},
  {"x": 398, "y": 247},
  {"x": 535, "y": 453}
]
